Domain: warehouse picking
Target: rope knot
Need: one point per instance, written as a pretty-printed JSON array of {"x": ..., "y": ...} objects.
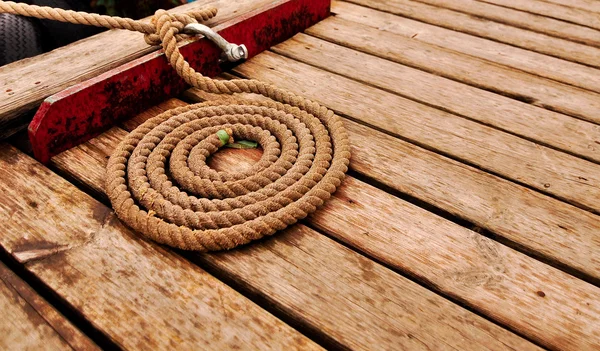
[{"x": 169, "y": 26}]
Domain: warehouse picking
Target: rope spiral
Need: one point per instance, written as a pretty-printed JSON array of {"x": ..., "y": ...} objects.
[{"x": 157, "y": 178}]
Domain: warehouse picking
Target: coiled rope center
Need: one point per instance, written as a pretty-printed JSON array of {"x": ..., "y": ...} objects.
[
  {"x": 160, "y": 185},
  {"x": 157, "y": 178}
]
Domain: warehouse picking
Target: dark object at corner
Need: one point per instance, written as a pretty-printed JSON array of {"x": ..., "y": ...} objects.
[{"x": 22, "y": 37}]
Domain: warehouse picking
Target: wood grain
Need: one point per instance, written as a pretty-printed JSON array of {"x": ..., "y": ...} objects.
[
  {"x": 311, "y": 278},
  {"x": 31, "y": 323},
  {"x": 483, "y": 74},
  {"x": 506, "y": 286},
  {"x": 568, "y": 14},
  {"x": 525, "y": 60},
  {"x": 455, "y": 260},
  {"x": 545, "y": 304},
  {"x": 548, "y": 170},
  {"x": 138, "y": 294},
  {"x": 589, "y": 5},
  {"x": 536, "y": 222},
  {"x": 549, "y": 128},
  {"x": 25, "y": 84},
  {"x": 482, "y": 27},
  {"x": 529, "y": 21},
  {"x": 357, "y": 301}
]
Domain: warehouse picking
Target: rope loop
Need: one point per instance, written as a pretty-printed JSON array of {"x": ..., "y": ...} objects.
[{"x": 157, "y": 178}]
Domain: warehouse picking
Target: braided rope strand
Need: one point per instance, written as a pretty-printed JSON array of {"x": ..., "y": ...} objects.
[
  {"x": 178, "y": 21},
  {"x": 157, "y": 179}
]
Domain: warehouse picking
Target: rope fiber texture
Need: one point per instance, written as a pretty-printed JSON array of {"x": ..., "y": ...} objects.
[{"x": 158, "y": 181}]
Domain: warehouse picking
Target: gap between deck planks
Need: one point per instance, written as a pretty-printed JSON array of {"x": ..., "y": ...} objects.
[
  {"x": 542, "y": 225},
  {"x": 312, "y": 278},
  {"x": 569, "y": 14},
  {"x": 140, "y": 295},
  {"x": 525, "y": 60},
  {"x": 480, "y": 73},
  {"x": 25, "y": 84},
  {"x": 438, "y": 129},
  {"x": 481, "y": 27},
  {"x": 532, "y": 14},
  {"x": 556, "y": 130},
  {"x": 520, "y": 19},
  {"x": 30, "y": 323},
  {"x": 550, "y": 128},
  {"x": 589, "y": 5},
  {"x": 565, "y": 176},
  {"x": 493, "y": 279},
  {"x": 462, "y": 264},
  {"x": 475, "y": 278}
]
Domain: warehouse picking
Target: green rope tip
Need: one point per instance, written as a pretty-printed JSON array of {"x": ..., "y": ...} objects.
[
  {"x": 243, "y": 144},
  {"x": 223, "y": 136},
  {"x": 226, "y": 138}
]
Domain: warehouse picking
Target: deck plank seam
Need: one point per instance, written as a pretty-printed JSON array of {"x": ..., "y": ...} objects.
[
  {"x": 465, "y": 223},
  {"x": 473, "y": 33},
  {"x": 541, "y": 15},
  {"x": 425, "y": 283},
  {"x": 7, "y": 281},
  {"x": 518, "y": 97},
  {"x": 458, "y": 159},
  {"x": 495, "y": 236},
  {"x": 265, "y": 302},
  {"x": 444, "y": 109},
  {"x": 569, "y": 6},
  {"x": 356, "y": 250},
  {"x": 507, "y": 23},
  {"x": 298, "y": 324},
  {"x": 69, "y": 312},
  {"x": 272, "y": 306},
  {"x": 521, "y": 98}
]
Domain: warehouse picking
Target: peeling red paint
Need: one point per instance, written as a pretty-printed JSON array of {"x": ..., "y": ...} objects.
[{"x": 85, "y": 110}]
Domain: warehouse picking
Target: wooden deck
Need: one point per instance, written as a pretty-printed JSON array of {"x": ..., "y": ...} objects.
[{"x": 469, "y": 220}]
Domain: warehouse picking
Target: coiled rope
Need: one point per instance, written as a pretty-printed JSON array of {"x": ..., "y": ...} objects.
[{"x": 157, "y": 178}]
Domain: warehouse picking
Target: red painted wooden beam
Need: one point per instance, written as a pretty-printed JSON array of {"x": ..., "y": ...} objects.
[{"x": 85, "y": 110}]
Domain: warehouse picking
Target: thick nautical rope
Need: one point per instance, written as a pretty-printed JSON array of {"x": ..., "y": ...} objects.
[{"x": 157, "y": 178}]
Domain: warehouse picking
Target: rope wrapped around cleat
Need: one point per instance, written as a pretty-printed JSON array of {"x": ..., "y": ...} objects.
[{"x": 157, "y": 178}]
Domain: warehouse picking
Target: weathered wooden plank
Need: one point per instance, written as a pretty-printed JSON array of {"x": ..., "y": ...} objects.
[
  {"x": 381, "y": 310},
  {"x": 520, "y": 19},
  {"x": 26, "y": 83},
  {"x": 569, "y": 14},
  {"x": 372, "y": 308},
  {"x": 526, "y": 87},
  {"x": 534, "y": 221},
  {"x": 551, "y": 171},
  {"x": 497, "y": 273},
  {"x": 589, "y": 5},
  {"x": 138, "y": 294},
  {"x": 484, "y": 28},
  {"x": 31, "y": 323},
  {"x": 499, "y": 282},
  {"x": 545, "y": 304},
  {"x": 528, "y": 61},
  {"x": 560, "y": 131}
]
